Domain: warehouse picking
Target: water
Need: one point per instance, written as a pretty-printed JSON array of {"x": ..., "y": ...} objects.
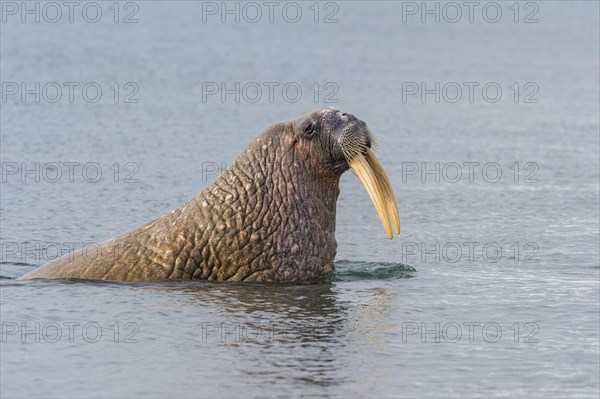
[{"x": 520, "y": 322}]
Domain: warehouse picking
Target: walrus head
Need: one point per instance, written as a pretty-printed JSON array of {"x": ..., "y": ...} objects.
[
  {"x": 333, "y": 141},
  {"x": 269, "y": 217}
]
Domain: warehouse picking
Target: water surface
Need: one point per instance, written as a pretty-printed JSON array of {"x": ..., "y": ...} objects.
[{"x": 437, "y": 312}]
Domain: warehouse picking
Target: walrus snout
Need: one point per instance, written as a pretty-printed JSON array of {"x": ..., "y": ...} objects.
[
  {"x": 355, "y": 138},
  {"x": 359, "y": 125}
]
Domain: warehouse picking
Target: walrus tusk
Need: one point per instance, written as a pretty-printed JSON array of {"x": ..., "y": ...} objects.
[{"x": 374, "y": 179}]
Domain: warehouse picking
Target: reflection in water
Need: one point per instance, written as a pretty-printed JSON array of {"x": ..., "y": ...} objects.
[
  {"x": 347, "y": 270},
  {"x": 372, "y": 318},
  {"x": 376, "y": 330},
  {"x": 308, "y": 338},
  {"x": 282, "y": 333},
  {"x": 291, "y": 336}
]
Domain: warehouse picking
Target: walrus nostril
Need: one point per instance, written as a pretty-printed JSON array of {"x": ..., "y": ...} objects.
[{"x": 351, "y": 117}]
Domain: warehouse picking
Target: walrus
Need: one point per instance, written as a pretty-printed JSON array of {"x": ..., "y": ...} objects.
[{"x": 270, "y": 217}]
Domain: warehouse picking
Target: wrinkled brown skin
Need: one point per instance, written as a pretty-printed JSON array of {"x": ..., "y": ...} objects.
[{"x": 269, "y": 217}]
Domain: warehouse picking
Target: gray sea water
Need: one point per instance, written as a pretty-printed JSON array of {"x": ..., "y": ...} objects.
[{"x": 488, "y": 127}]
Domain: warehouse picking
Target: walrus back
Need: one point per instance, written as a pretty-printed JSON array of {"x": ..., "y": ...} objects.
[{"x": 126, "y": 257}]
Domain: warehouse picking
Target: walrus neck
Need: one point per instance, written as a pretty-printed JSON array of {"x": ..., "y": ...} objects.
[{"x": 276, "y": 210}]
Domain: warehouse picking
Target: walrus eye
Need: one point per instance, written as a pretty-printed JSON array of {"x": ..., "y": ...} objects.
[{"x": 308, "y": 128}]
